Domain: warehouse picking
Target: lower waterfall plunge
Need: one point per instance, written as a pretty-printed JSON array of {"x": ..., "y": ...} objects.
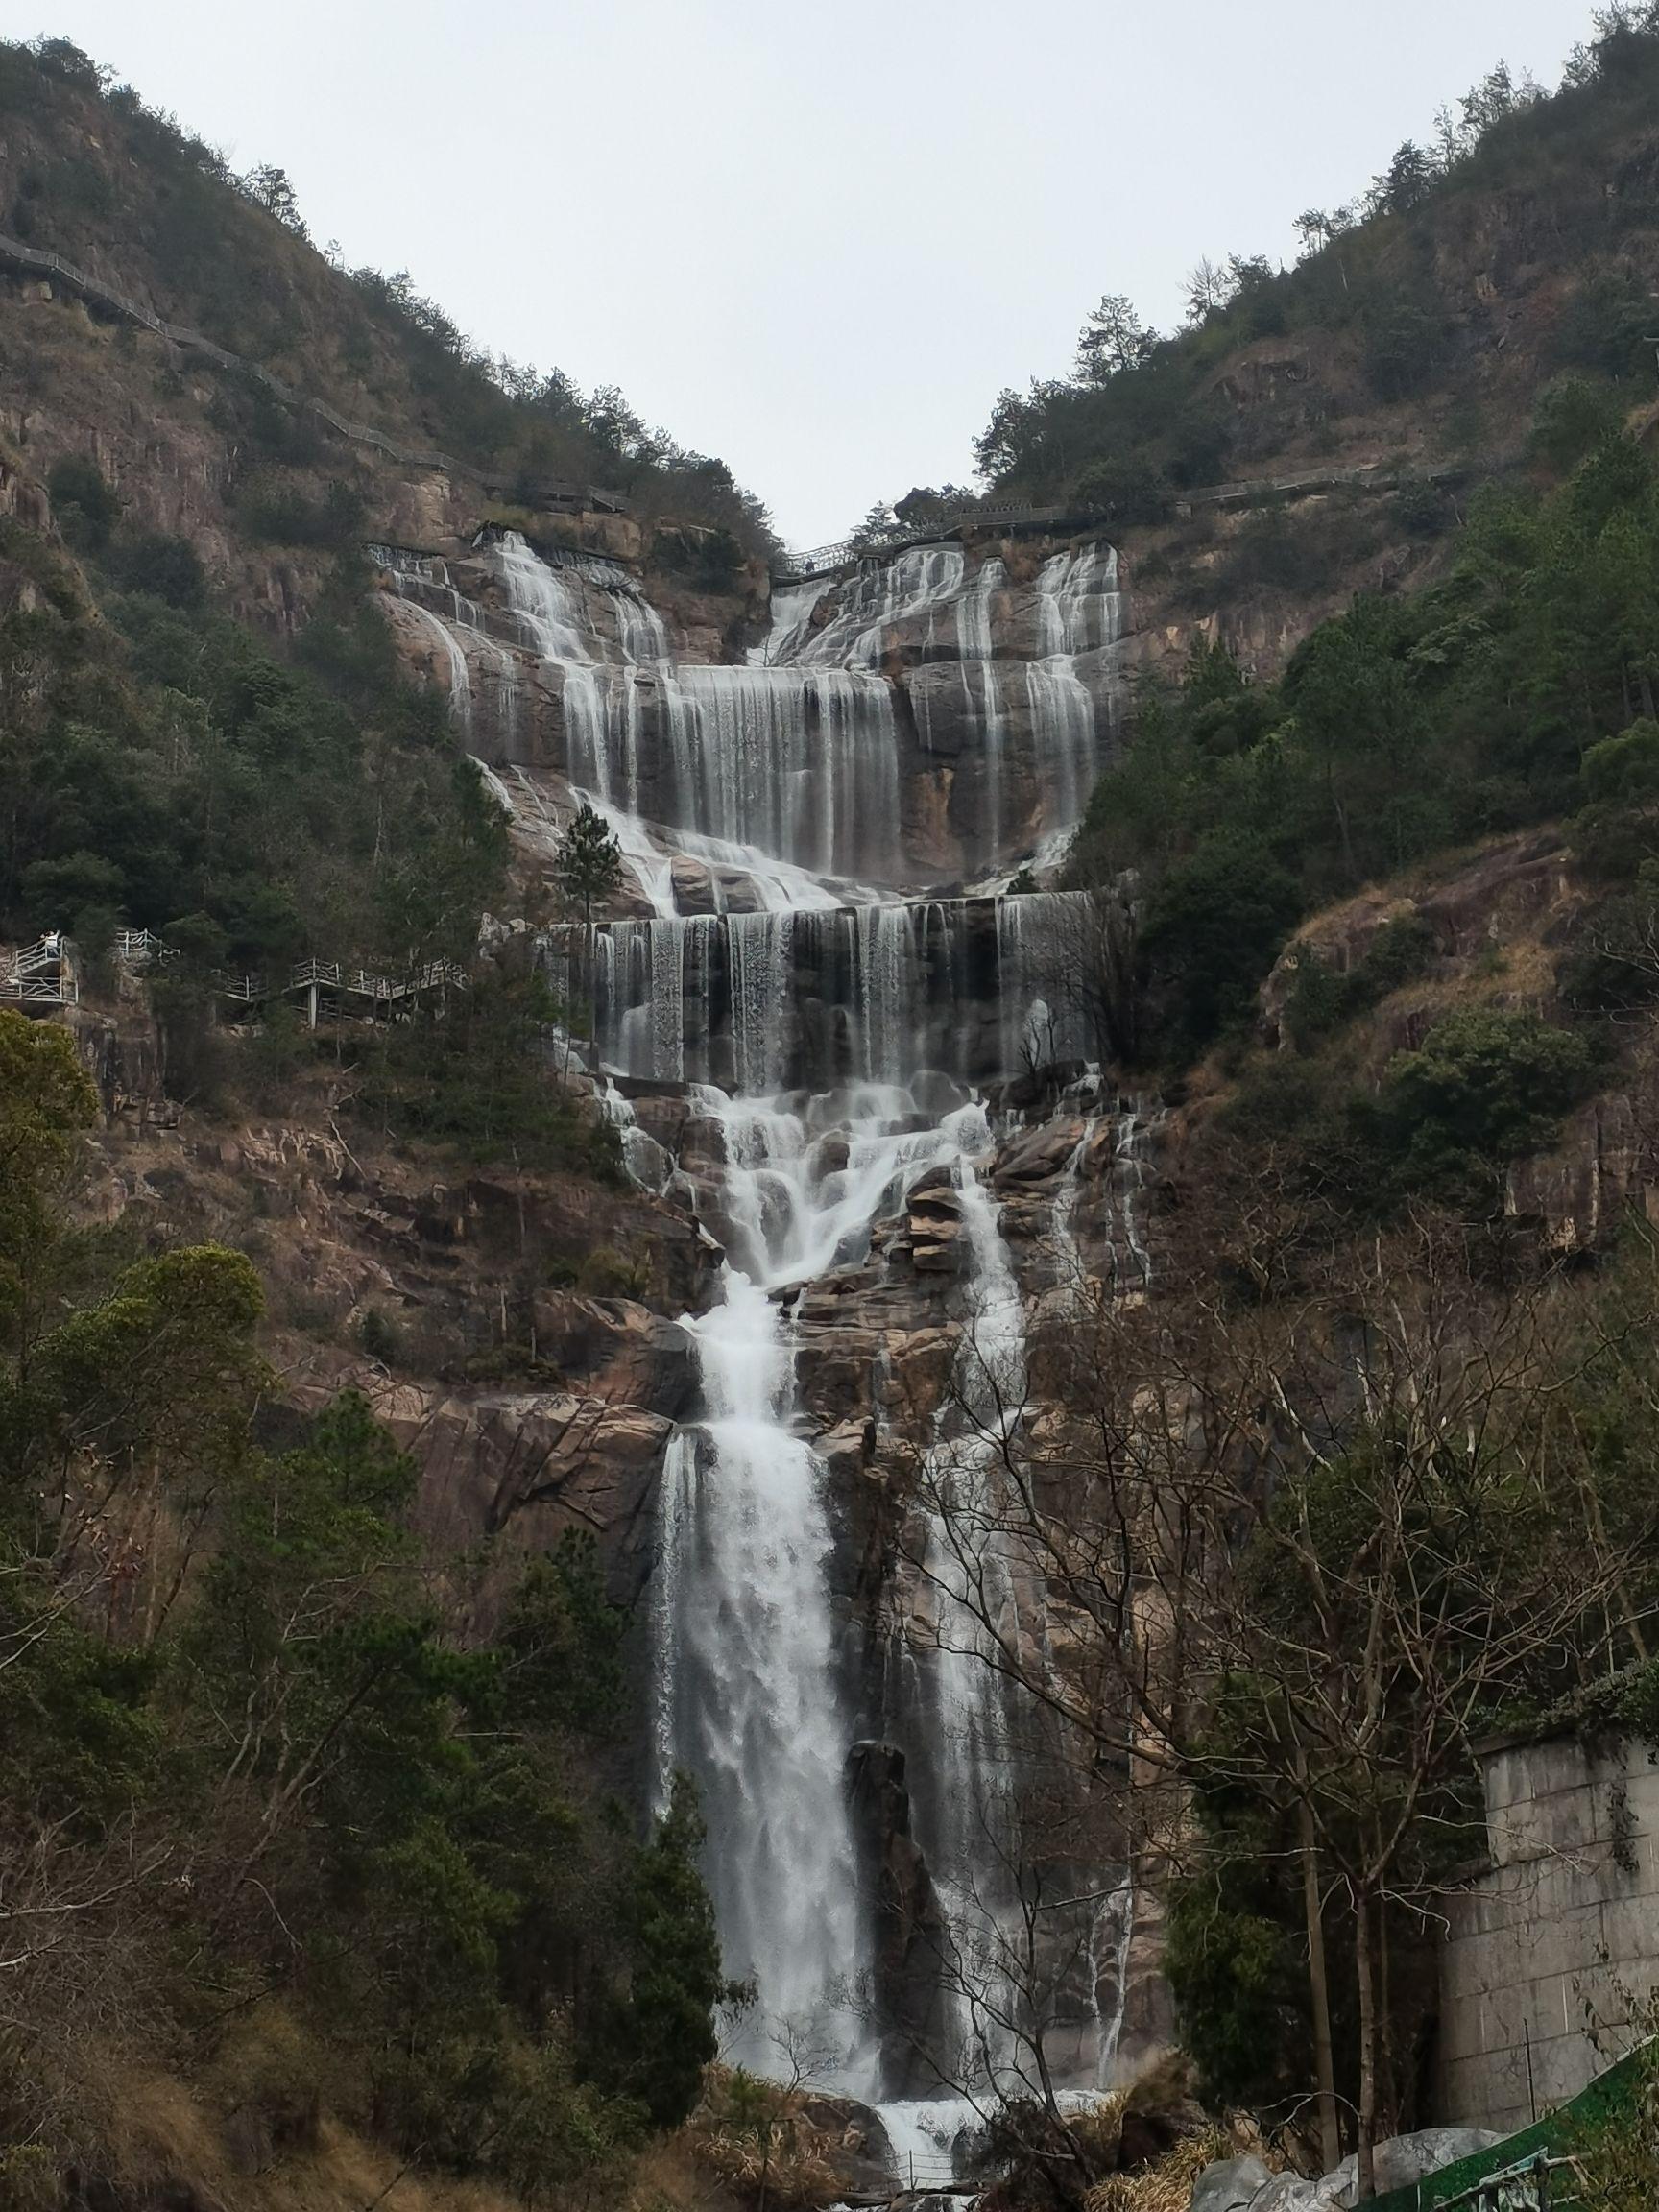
[
  {"x": 748, "y": 1686},
  {"x": 745, "y": 1615},
  {"x": 752, "y": 1692}
]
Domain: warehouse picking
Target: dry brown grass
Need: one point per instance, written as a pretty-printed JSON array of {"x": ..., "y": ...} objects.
[
  {"x": 155, "y": 2129},
  {"x": 160, "y": 2130},
  {"x": 1167, "y": 2185},
  {"x": 750, "y": 2135}
]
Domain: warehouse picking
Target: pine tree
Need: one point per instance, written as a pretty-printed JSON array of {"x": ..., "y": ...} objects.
[
  {"x": 270, "y": 188},
  {"x": 1114, "y": 338},
  {"x": 589, "y": 868}
]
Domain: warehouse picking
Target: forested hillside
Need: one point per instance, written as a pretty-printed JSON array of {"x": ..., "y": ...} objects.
[
  {"x": 90, "y": 172},
  {"x": 1419, "y": 323},
  {"x": 302, "y": 1808}
]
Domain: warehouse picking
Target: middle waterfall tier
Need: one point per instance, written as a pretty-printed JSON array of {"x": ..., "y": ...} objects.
[{"x": 979, "y": 990}]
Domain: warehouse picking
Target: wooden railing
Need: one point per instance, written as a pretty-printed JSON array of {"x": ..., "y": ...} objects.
[{"x": 35, "y": 261}]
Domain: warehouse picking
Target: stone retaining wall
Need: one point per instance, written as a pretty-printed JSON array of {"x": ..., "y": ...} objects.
[{"x": 1567, "y": 1918}]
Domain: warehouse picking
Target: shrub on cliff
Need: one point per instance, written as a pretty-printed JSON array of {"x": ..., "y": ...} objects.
[
  {"x": 1484, "y": 1087},
  {"x": 1213, "y": 928},
  {"x": 83, "y": 505}
]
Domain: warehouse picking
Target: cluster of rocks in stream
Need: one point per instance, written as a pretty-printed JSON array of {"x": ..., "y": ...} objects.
[{"x": 1245, "y": 2184}]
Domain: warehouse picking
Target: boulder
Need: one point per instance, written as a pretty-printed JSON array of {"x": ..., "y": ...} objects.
[
  {"x": 1406, "y": 2159},
  {"x": 1229, "y": 2185},
  {"x": 1038, "y": 1154},
  {"x": 693, "y": 885},
  {"x": 1401, "y": 2161},
  {"x": 1290, "y": 2193}
]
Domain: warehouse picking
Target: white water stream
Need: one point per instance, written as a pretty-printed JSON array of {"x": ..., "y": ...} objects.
[{"x": 750, "y": 1691}]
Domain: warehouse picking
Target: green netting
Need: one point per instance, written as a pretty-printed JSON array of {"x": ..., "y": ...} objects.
[{"x": 1608, "y": 2094}]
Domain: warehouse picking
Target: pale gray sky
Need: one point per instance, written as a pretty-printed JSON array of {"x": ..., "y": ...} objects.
[{"x": 816, "y": 236}]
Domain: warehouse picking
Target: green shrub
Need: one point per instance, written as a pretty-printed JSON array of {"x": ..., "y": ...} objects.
[
  {"x": 169, "y": 568},
  {"x": 1606, "y": 324},
  {"x": 380, "y": 1337},
  {"x": 1623, "y": 770},
  {"x": 283, "y": 516},
  {"x": 1573, "y": 416},
  {"x": 1214, "y": 926},
  {"x": 58, "y": 893},
  {"x": 606, "y": 1273},
  {"x": 1322, "y": 1000},
  {"x": 1424, "y": 510},
  {"x": 1614, "y": 965},
  {"x": 83, "y": 505},
  {"x": 1484, "y": 1087}
]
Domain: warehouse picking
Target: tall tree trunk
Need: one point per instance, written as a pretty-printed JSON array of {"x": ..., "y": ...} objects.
[
  {"x": 1387, "y": 2065},
  {"x": 1319, "y": 1993},
  {"x": 588, "y": 965},
  {"x": 1364, "y": 1971}
]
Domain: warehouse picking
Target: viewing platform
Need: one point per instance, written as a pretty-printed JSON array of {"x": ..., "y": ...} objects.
[{"x": 43, "y": 978}]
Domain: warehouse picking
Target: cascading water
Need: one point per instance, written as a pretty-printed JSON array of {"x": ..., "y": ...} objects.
[
  {"x": 746, "y": 1671},
  {"x": 968, "y": 1832},
  {"x": 749, "y": 1694},
  {"x": 835, "y": 1039},
  {"x": 802, "y": 757}
]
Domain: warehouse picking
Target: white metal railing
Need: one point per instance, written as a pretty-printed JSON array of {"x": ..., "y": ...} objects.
[
  {"x": 1541, "y": 2183},
  {"x": 39, "y": 975},
  {"x": 137, "y": 948},
  {"x": 43, "y": 974}
]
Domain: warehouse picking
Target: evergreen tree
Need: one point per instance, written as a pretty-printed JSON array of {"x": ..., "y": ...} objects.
[
  {"x": 1114, "y": 338},
  {"x": 270, "y": 188},
  {"x": 590, "y": 862},
  {"x": 590, "y": 869}
]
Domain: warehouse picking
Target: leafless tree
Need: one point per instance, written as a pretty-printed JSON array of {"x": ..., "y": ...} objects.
[{"x": 1347, "y": 1523}]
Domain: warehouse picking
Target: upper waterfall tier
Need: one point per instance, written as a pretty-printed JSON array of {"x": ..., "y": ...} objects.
[{"x": 928, "y": 719}]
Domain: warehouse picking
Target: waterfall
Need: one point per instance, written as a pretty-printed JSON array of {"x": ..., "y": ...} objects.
[
  {"x": 800, "y": 763},
  {"x": 1080, "y": 609},
  {"x": 748, "y": 1689},
  {"x": 970, "y": 1828},
  {"x": 460, "y": 683},
  {"x": 1131, "y": 1259},
  {"x": 977, "y": 990},
  {"x": 797, "y": 758},
  {"x": 745, "y": 1674},
  {"x": 882, "y": 592},
  {"x": 1070, "y": 1275},
  {"x": 838, "y": 1044}
]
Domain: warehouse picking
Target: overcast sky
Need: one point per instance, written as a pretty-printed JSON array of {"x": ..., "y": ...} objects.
[{"x": 816, "y": 237}]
